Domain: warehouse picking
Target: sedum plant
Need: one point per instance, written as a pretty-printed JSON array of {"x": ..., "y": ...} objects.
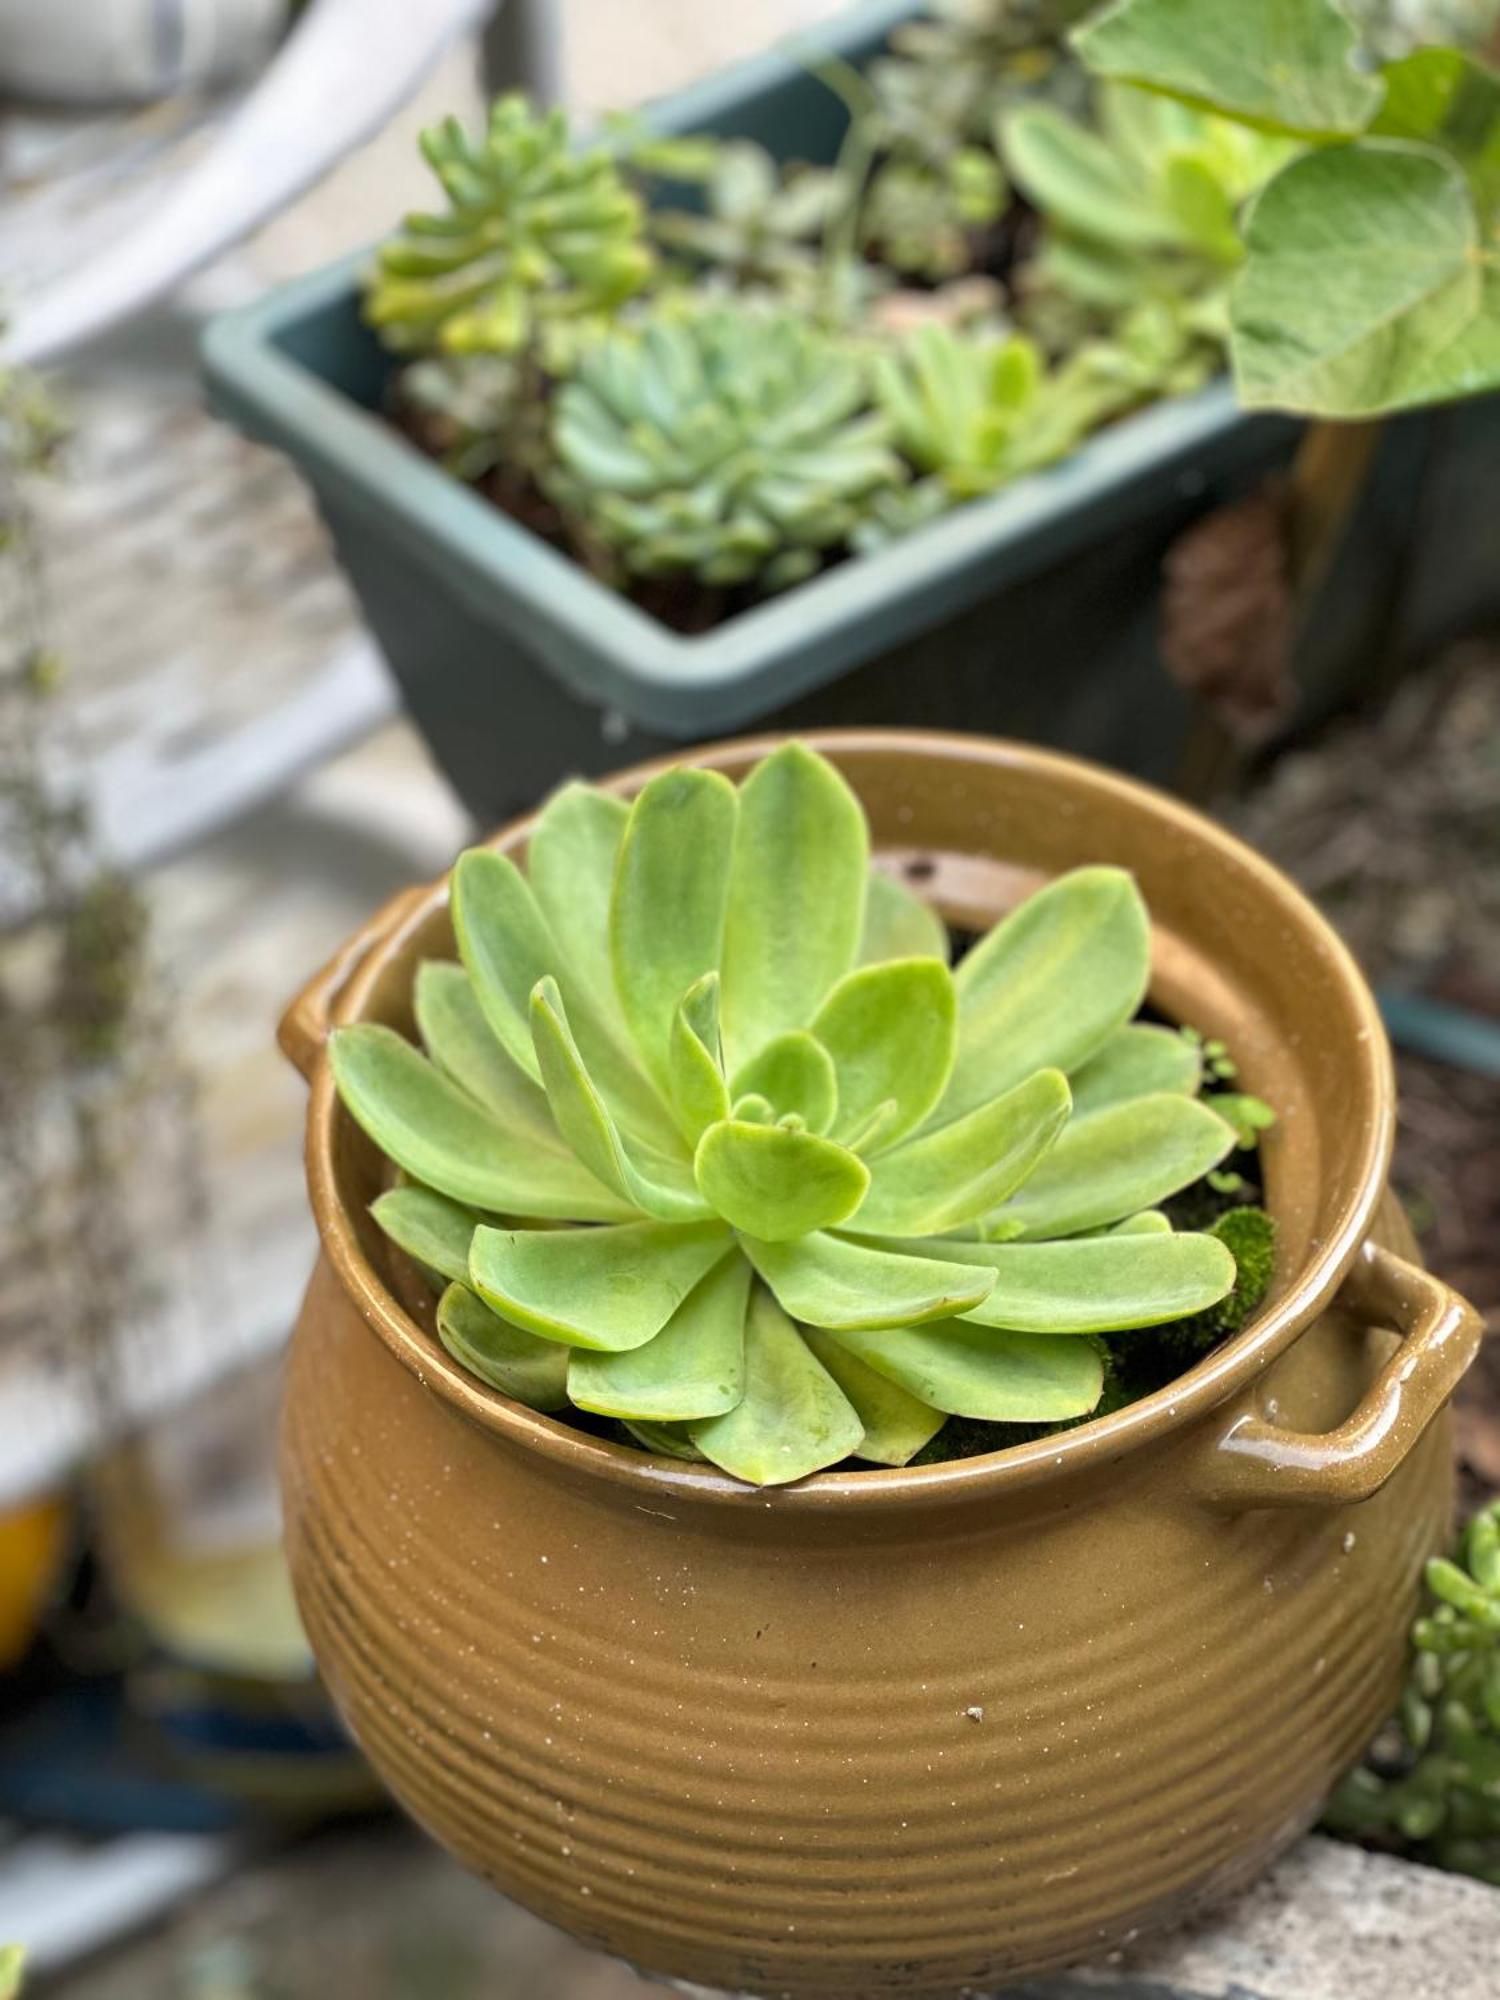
[
  {"x": 538, "y": 232},
  {"x": 1433, "y": 1782},
  {"x": 707, "y": 1136},
  {"x": 733, "y": 444}
]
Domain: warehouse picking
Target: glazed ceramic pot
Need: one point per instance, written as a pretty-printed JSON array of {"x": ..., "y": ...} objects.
[{"x": 909, "y": 1732}]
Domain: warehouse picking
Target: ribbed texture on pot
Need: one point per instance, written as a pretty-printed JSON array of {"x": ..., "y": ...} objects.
[{"x": 809, "y": 1759}]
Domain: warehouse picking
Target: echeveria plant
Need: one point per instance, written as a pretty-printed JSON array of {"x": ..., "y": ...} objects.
[{"x": 709, "y": 1138}]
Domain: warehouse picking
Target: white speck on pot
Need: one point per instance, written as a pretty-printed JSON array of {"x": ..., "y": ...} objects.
[
  {"x": 1347, "y": 1545},
  {"x": 975, "y": 1714}
]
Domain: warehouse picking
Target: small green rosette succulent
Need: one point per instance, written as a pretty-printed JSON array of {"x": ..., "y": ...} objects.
[
  {"x": 538, "y": 234},
  {"x": 708, "y": 1137},
  {"x": 735, "y": 444}
]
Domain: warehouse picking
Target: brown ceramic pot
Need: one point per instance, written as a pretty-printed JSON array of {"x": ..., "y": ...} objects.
[{"x": 902, "y": 1732}]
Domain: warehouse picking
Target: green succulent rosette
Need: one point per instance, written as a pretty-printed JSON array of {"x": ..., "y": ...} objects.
[
  {"x": 706, "y": 1134},
  {"x": 735, "y": 444},
  {"x": 538, "y": 233}
]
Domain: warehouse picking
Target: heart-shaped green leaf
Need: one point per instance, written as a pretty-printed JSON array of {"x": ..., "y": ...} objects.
[
  {"x": 1049, "y": 984},
  {"x": 796, "y": 897},
  {"x": 1075, "y": 179},
  {"x": 1137, "y": 1061},
  {"x": 973, "y": 1371},
  {"x": 898, "y": 924},
  {"x": 896, "y": 1425},
  {"x": 1364, "y": 288},
  {"x": 695, "y": 1367},
  {"x": 671, "y": 890},
  {"x": 1447, "y": 99},
  {"x": 695, "y": 1076},
  {"x": 609, "y": 1289},
  {"x": 461, "y": 1042},
  {"x": 835, "y": 1282},
  {"x": 793, "y": 1072},
  {"x": 792, "y": 1419},
  {"x": 658, "y": 1187},
  {"x": 433, "y": 1231},
  {"x": 1096, "y": 1284},
  {"x": 775, "y": 1183},
  {"x": 1112, "y": 1163},
  {"x": 443, "y": 1139},
  {"x": 952, "y": 1174},
  {"x": 1284, "y": 65},
  {"x": 531, "y": 1371},
  {"x": 570, "y": 864},
  {"x": 891, "y": 1031}
]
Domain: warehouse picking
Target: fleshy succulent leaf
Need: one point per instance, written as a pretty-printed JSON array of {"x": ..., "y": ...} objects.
[
  {"x": 518, "y": 1364},
  {"x": 792, "y": 1420},
  {"x": 796, "y": 897},
  {"x": 461, "y": 1042},
  {"x": 1048, "y": 985},
  {"x": 1114, "y": 1162},
  {"x": 442, "y": 1138},
  {"x": 570, "y": 864},
  {"x": 657, "y": 1187},
  {"x": 898, "y": 924},
  {"x": 953, "y": 1174},
  {"x": 838, "y": 1283},
  {"x": 433, "y": 1231},
  {"x": 665, "y": 1440},
  {"x": 609, "y": 1289},
  {"x": 1136, "y": 1061},
  {"x": 896, "y": 1424},
  {"x": 695, "y": 1367},
  {"x": 667, "y": 914},
  {"x": 695, "y": 1074},
  {"x": 891, "y": 1031},
  {"x": 793, "y": 1072},
  {"x": 975, "y": 1371},
  {"x": 1096, "y": 1284},
  {"x": 775, "y": 1183}
]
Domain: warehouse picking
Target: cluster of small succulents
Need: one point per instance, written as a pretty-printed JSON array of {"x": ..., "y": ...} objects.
[
  {"x": 699, "y": 360},
  {"x": 1432, "y": 1782},
  {"x": 709, "y": 1138}
]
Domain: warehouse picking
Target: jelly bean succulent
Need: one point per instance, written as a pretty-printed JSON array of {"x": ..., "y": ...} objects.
[
  {"x": 735, "y": 444},
  {"x": 708, "y": 1137},
  {"x": 1433, "y": 1781}
]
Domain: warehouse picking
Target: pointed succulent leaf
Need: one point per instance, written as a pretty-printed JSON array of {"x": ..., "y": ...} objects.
[
  {"x": 793, "y": 1072},
  {"x": 695, "y": 1367},
  {"x": 570, "y": 864},
  {"x": 776, "y": 1183},
  {"x": 1287, "y": 65},
  {"x": 658, "y": 1187},
  {"x": 796, "y": 897},
  {"x": 1049, "y": 984},
  {"x": 609, "y": 1289},
  {"x": 836, "y": 1282},
  {"x": 461, "y": 1042},
  {"x": 433, "y": 1231},
  {"x": 1136, "y": 1061},
  {"x": 896, "y": 1424},
  {"x": 695, "y": 1076},
  {"x": 1095, "y": 1284},
  {"x": 442, "y": 1138},
  {"x": 890, "y": 1030},
  {"x": 531, "y": 1371},
  {"x": 1117, "y": 1161},
  {"x": 974, "y": 1371},
  {"x": 953, "y": 1174},
  {"x": 671, "y": 887},
  {"x": 898, "y": 924},
  {"x": 792, "y": 1420}
]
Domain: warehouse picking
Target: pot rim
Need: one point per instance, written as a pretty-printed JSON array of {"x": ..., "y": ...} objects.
[{"x": 1150, "y": 1420}]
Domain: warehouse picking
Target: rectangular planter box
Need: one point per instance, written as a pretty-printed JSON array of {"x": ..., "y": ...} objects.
[{"x": 1031, "y": 613}]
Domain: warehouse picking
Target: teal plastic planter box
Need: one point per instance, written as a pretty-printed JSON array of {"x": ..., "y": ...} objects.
[{"x": 1030, "y": 614}]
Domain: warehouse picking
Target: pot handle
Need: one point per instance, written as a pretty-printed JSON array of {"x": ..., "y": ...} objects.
[
  {"x": 1256, "y": 1464},
  {"x": 304, "y": 1028}
]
